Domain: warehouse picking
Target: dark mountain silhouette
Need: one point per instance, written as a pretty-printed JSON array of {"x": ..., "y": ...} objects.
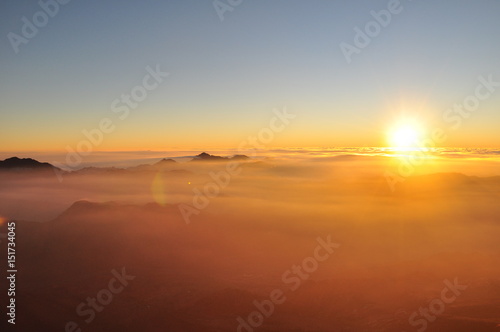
[
  {"x": 81, "y": 210},
  {"x": 160, "y": 165},
  {"x": 208, "y": 157},
  {"x": 16, "y": 163},
  {"x": 165, "y": 162}
]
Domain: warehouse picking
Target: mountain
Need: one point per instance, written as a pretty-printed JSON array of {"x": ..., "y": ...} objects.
[
  {"x": 208, "y": 157},
  {"x": 160, "y": 165},
  {"x": 16, "y": 163},
  {"x": 81, "y": 210},
  {"x": 165, "y": 162}
]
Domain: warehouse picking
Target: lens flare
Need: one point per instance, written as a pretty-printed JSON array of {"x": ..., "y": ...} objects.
[{"x": 158, "y": 189}]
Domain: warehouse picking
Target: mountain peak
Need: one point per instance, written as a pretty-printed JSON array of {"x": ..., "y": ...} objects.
[
  {"x": 24, "y": 163},
  {"x": 165, "y": 161},
  {"x": 206, "y": 156},
  {"x": 210, "y": 157}
]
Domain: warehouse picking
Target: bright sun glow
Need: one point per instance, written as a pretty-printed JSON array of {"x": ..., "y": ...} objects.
[{"x": 404, "y": 136}]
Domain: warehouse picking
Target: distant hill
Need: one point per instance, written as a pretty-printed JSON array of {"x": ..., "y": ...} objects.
[
  {"x": 208, "y": 157},
  {"x": 80, "y": 210},
  {"x": 16, "y": 163},
  {"x": 163, "y": 163},
  {"x": 100, "y": 170}
]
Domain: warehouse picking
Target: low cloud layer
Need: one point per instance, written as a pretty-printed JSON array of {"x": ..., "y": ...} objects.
[{"x": 397, "y": 248}]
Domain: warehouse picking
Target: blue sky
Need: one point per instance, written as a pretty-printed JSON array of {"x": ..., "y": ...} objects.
[{"x": 227, "y": 76}]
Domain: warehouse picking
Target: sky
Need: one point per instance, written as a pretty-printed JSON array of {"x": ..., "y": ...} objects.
[{"x": 226, "y": 76}]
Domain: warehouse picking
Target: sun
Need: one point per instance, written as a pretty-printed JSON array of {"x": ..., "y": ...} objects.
[{"x": 404, "y": 136}]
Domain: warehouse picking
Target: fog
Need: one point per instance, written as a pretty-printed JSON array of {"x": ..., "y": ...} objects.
[{"x": 205, "y": 240}]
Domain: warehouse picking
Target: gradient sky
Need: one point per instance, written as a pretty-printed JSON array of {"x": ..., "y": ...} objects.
[{"x": 227, "y": 76}]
